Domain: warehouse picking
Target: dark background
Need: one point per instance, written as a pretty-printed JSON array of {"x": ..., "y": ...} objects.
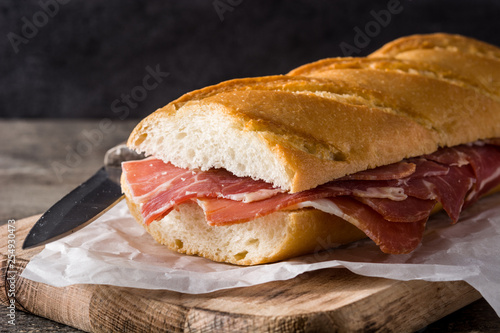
[{"x": 92, "y": 53}]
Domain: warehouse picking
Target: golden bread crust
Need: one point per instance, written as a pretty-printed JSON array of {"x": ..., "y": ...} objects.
[
  {"x": 301, "y": 232},
  {"x": 340, "y": 116}
]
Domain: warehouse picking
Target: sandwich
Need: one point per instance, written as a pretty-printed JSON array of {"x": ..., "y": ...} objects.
[{"x": 258, "y": 170}]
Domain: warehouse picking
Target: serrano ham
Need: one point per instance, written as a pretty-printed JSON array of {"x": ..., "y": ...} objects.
[
  {"x": 449, "y": 190},
  {"x": 239, "y": 211},
  {"x": 388, "y": 236},
  {"x": 153, "y": 180},
  {"x": 404, "y": 192},
  {"x": 484, "y": 160},
  {"x": 409, "y": 210}
]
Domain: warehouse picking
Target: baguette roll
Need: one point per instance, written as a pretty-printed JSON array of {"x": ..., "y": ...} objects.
[
  {"x": 267, "y": 128},
  {"x": 320, "y": 122}
]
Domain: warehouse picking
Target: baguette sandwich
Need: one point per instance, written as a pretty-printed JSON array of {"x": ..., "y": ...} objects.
[{"x": 263, "y": 169}]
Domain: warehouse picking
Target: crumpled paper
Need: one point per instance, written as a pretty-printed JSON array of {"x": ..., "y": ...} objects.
[{"x": 115, "y": 250}]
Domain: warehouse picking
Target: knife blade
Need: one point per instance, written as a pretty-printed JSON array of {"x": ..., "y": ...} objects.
[{"x": 85, "y": 203}]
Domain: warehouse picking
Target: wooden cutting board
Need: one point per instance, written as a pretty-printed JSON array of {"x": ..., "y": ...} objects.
[{"x": 326, "y": 300}]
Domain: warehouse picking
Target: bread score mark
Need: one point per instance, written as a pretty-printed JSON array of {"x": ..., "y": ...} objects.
[{"x": 390, "y": 204}]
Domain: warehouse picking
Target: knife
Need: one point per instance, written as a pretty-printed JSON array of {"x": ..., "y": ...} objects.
[{"x": 85, "y": 203}]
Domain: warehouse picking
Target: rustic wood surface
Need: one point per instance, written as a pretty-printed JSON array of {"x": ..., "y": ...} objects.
[{"x": 326, "y": 299}]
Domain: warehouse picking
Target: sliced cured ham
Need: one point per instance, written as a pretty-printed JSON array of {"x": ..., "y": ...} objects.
[
  {"x": 410, "y": 210},
  {"x": 153, "y": 180},
  {"x": 485, "y": 161},
  {"x": 240, "y": 211},
  {"x": 149, "y": 176},
  {"x": 222, "y": 211},
  {"x": 391, "y": 204},
  {"x": 395, "y": 238},
  {"x": 388, "y": 236},
  {"x": 426, "y": 168},
  {"x": 449, "y": 190}
]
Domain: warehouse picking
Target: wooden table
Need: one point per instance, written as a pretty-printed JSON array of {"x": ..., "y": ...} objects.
[{"x": 41, "y": 160}]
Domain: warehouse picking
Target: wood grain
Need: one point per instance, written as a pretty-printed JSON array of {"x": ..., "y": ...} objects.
[
  {"x": 42, "y": 160},
  {"x": 325, "y": 300}
]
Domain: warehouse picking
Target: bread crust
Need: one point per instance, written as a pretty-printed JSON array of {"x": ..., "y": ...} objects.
[
  {"x": 295, "y": 233},
  {"x": 341, "y": 116},
  {"x": 456, "y": 43}
]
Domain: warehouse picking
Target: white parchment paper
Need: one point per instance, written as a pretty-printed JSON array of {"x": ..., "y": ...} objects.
[{"x": 115, "y": 250}]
